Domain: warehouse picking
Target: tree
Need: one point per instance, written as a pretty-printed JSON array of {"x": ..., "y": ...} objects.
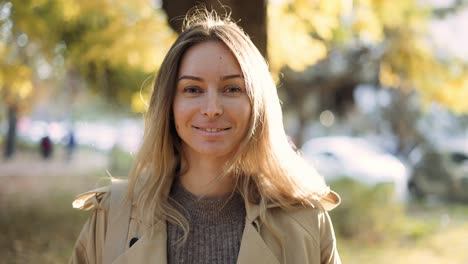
[
  {"x": 322, "y": 49},
  {"x": 251, "y": 15},
  {"x": 15, "y": 77},
  {"x": 107, "y": 46},
  {"x": 340, "y": 44}
]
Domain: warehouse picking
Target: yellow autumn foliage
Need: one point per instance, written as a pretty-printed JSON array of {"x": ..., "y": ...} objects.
[
  {"x": 290, "y": 41},
  {"x": 71, "y": 10},
  {"x": 457, "y": 97},
  {"x": 366, "y": 24},
  {"x": 135, "y": 35},
  {"x": 16, "y": 82},
  {"x": 116, "y": 35},
  {"x": 387, "y": 77},
  {"x": 302, "y": 31}
]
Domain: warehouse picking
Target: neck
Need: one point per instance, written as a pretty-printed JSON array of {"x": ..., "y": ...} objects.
[{"x": 202, "y": 177}]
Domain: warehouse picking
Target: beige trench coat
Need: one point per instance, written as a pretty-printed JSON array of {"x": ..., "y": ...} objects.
[{"x": 307, "y": 235}]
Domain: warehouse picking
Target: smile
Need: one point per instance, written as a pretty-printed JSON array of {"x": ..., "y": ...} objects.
[{"x": 211, "y": 130}]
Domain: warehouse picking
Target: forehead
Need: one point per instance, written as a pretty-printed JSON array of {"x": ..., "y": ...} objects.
[{"x": 209, "y": 58}]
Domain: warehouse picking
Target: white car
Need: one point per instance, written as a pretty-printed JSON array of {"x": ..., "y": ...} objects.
[{"x": 340, "y": 156}]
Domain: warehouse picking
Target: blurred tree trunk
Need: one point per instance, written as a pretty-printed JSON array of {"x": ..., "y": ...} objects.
[
  {"x": 10, "y": 142},
  {"x": 250, "y": 15},
  {"x": 403, "y": 114}
]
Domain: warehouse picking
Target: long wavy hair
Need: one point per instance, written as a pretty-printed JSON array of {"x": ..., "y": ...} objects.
[{"x": 266, "y": 168}]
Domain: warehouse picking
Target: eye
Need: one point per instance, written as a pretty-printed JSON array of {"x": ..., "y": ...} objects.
[
  {"x": 192, "y": 90},
  {"x": 233, "y": 89}
]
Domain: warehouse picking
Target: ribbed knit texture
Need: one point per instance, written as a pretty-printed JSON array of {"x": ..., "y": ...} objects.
[{"x": 216, "y": 227}]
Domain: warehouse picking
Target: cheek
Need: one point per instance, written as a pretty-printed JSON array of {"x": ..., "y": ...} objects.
[
  {"x": 178, "y": 121},
  {"x": 246, "y": 114},
  {"x": 177, "y": 113},
  {"x": 176, "y": 117},
  {"x": 182, "y": 114},
  {"x": 243, "y": 120},
  {"x": 246, "y": 118}
]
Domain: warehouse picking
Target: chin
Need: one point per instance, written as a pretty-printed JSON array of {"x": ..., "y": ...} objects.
[{"x": 216, "y": 152}]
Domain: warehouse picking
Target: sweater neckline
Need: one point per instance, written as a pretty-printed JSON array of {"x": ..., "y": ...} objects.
[{"x": 207, "y": 210}]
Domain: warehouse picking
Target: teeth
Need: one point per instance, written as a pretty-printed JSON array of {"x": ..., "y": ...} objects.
[{"x": 211, "y": 129}]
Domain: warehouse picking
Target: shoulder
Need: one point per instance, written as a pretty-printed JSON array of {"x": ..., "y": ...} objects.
[
  {"x": 88, "y": 247},
  {"x": 308, "y": 227},
  {"x": 305, "y": 218},
  {"x": 312, "y": 213},
  {"x": 93, "y": 199},
  {"x": 312, "y": 220},
  {"x": 100, "y": 198}
]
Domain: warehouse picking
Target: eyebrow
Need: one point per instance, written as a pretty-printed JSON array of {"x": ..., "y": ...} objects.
[
  {"x": 232, "y": 76},
  {"x": 190, "y": 78},
  {"x": 227, "y": 77}
]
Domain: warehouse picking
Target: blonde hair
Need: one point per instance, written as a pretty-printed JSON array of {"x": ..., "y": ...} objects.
[{"x": 266, "y": 168}]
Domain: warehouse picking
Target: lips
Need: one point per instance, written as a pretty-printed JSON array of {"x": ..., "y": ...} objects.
[{"x": 211, "y": 129}]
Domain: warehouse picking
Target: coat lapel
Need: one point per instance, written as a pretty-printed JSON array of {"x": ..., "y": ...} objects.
[
  {"x": 150, "y": 248},
  {"x": 253, "y": 248}
]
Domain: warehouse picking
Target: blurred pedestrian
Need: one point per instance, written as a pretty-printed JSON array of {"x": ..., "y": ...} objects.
[
  {"x": 216, "y": 179},
  {"x": 70, "y": 145},
  {"x": 46, "y": 147}
]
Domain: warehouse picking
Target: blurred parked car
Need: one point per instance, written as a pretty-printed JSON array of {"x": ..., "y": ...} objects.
[
  {"x": 440, "y": 171},
  {"x": 356, "y": 158}
]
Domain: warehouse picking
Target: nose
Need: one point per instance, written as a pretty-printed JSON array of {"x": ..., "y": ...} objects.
[{"x": 212, "y": 105}]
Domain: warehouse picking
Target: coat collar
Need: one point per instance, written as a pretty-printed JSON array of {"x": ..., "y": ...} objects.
[
  {"x": 253, "y": 249},
  {"x": 153, "y": 245},
  {"x": 328, "y": 201}
]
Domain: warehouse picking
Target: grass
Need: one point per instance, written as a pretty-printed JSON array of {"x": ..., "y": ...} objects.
[
  {"x": 38, "y": 225},
  {"x": 37, "y": 222},
  {"x": 429, "y": 233},
  {"x": 40, "y": 231},
  {"x": 446, "y": 245}
]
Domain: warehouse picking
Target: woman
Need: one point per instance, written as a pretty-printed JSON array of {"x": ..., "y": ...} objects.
[{"x": 216, "y": 179}]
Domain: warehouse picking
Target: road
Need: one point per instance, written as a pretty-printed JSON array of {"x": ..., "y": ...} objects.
[
  {"x": 29, "y": 173},
  {"x": 32, "y": 164}
]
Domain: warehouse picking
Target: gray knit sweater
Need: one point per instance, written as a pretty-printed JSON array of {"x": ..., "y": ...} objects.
[{"x": 216, "y": 227}]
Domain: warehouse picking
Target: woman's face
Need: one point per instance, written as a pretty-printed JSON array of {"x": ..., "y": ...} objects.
[{"x": 211, "y": 107}]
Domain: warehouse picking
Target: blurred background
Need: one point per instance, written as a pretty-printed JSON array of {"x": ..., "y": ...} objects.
[{"x": 374, "y": 92}]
